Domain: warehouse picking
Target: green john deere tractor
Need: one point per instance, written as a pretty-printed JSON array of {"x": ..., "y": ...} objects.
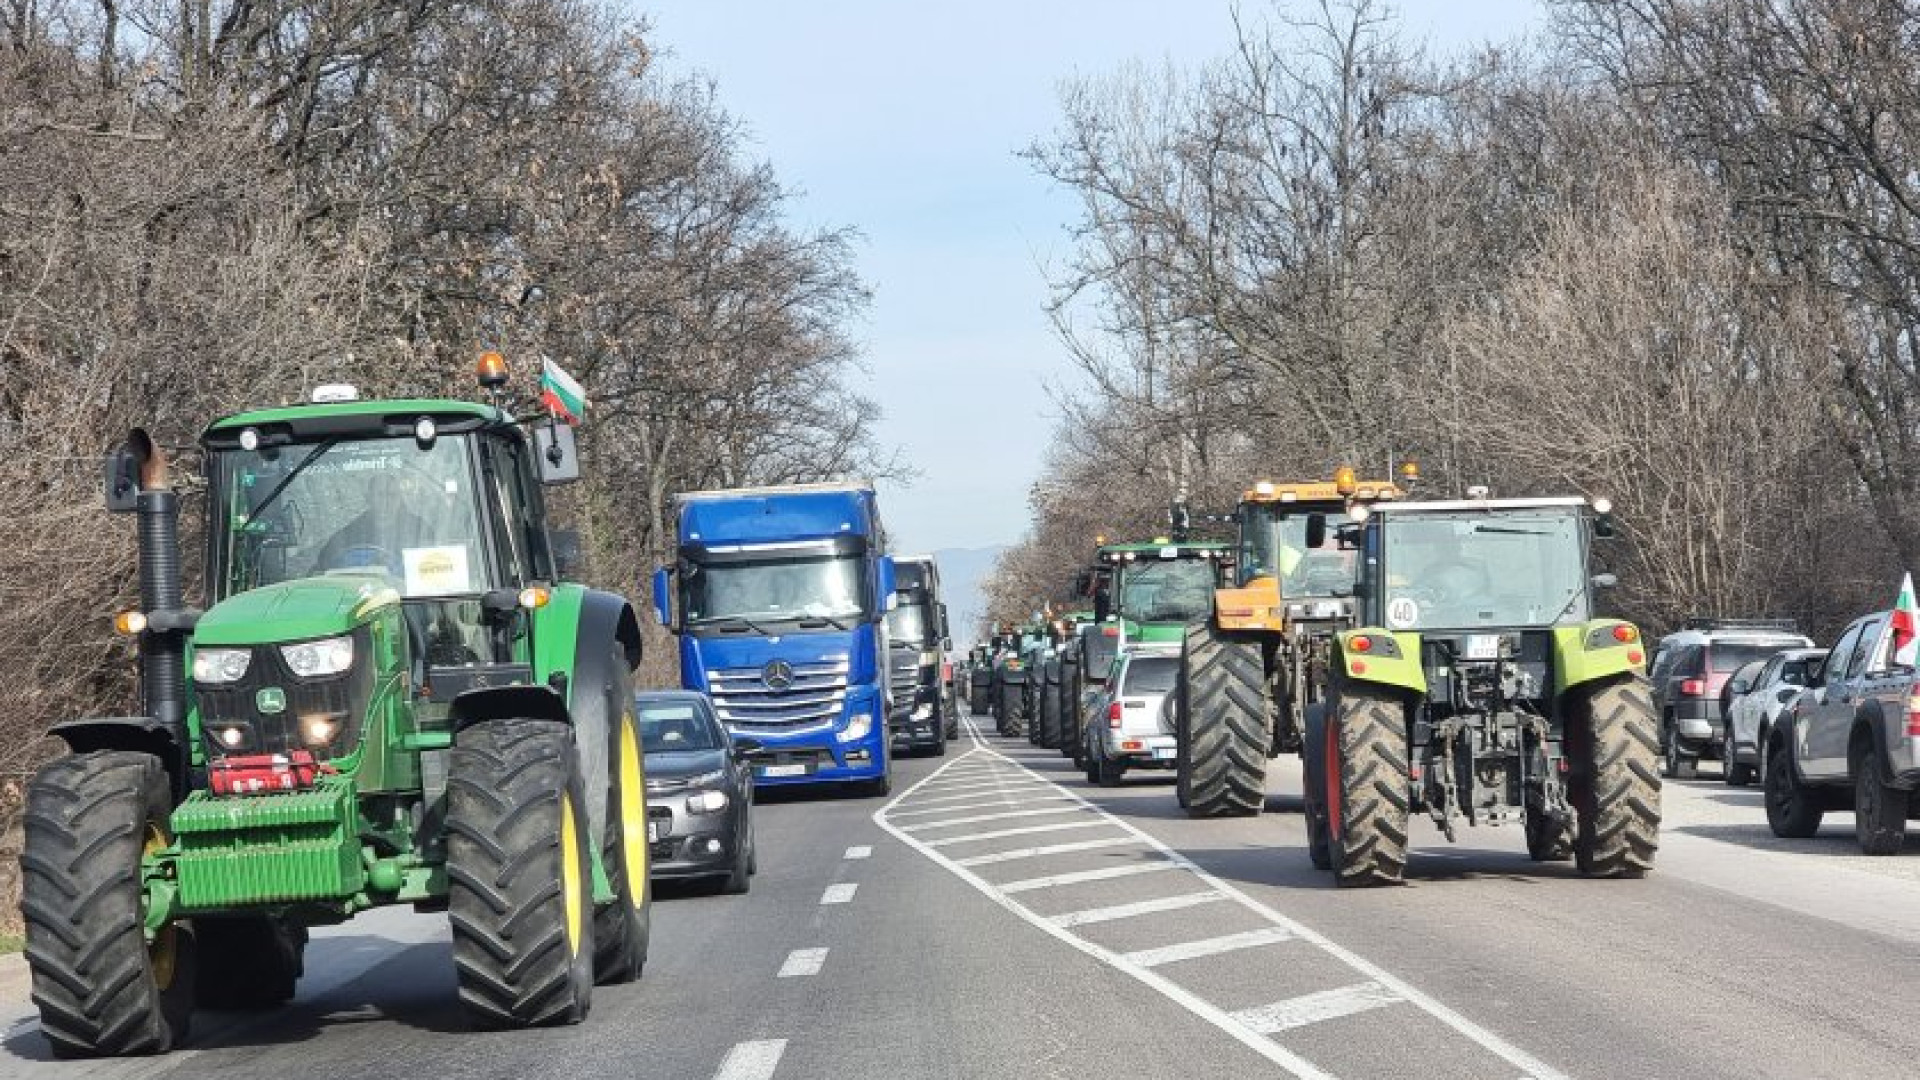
[
  {"x": 390, "y": 698},
  {"x": 1479, "y": 688}
]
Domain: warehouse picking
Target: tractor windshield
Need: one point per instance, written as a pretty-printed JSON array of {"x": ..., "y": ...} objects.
[
  {"x": 1273, "y": 543},
  {"x": 396, "y": 505},
  {"x": 1168, "y": 590},
  {"x": 1477, "y": 568}
]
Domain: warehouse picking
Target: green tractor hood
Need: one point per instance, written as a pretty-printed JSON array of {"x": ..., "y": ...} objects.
[{"x": 301, "y": 610}]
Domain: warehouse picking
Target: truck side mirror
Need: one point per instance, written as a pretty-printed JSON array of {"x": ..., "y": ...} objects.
[
  {"x": 943, "y": 625},
  {"x": 1316, "y": 531},
  {"x": 884, "y": 571},
  {"x": 663, "y": 597},
  {"x": 559, "y": 456}
]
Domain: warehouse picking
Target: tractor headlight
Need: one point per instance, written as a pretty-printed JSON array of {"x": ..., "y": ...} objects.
[
  {"x": 706, "y": 802},
  {"x": 217, "y": 667},
  {"x": 858, "y": 727},
  {"x": 312, "y": 659}
]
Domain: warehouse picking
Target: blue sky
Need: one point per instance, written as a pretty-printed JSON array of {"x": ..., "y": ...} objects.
[{"x": 902, "y": 119}]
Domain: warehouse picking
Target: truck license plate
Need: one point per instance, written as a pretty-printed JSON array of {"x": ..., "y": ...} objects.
[
  {"x": 784, "y": 770},
  {"x": 653, "y": 831}
]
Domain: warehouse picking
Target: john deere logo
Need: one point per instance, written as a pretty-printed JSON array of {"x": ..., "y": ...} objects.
[
  {"x": 778, "y": 675},
  {"x": 270, "y": 700}
]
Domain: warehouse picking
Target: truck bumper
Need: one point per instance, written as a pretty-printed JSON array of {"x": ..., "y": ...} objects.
[
  {"x": 1140, "y": 751},
  {"x": 817, "y": 759},
  {"x": 1698, "y": 725}
]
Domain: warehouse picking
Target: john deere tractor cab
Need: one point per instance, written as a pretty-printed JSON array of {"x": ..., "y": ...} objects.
[
  {"x": 389, "y": 698},
  {"x": 1248, "y": 673},
  {"x": 1480, "y": 689}
]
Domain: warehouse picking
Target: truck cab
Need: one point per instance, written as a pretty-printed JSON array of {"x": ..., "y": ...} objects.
[
  {"x": 918, "y": 710},
  {"x": 779, "y": 597}
]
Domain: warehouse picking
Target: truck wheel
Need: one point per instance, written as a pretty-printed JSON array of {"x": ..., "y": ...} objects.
[
  {"x": 1879, "y": 809},
  {"x": 1793, "y": 809},
  {"x": 1612, "y": 747},
  {"x": 1223, "y": 717},
  {"x": 101, "y": 988},
  {"x": 623, "y": 927},
  {"x": 246, "y": 962},
  {"x": 1732, "y": 772},
  {"x": 519, "y": 875},
  {"x": 1366, "y": 783}
]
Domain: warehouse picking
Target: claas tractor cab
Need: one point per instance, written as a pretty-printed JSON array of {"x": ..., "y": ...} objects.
[
  {"x": 1480, "y": 688},
  {"x": 388, "y": 697},
  {"x": 1250, "y": 670}
]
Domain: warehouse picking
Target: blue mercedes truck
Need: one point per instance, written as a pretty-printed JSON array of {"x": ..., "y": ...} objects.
[{"x": 779, "y": 598}]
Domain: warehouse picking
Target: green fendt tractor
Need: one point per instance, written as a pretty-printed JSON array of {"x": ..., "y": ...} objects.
[
  {"x": 389, "y": 699},
  {"x": 1479, "y": 688},
  {"x": 1154, "y": 588}
]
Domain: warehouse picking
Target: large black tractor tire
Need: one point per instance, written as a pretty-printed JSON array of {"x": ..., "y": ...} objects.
[
  {"x": 1222, "y": 731},
  {"x": 1794, "y": 810},
  {"x": 246, "y": 962},
  {"x": 101, "y": 989},
  {"x": 519, "y": 875},
  {"x": 1879, "y": 808},
  {"x": 1548, "y": 839},
  {"x": 1613, "y": 745},
  {"x": 623, "y": 927},
  {"x": 1012, "y": 721},
  {"x": 977, "y": 703},
  {"x": 1367, "y": 802},
  {"x": 1049, "y": 724},
  {"x": 1313, "y": 758}
]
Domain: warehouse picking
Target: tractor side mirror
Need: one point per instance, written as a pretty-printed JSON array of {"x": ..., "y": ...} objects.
[
  {"x": 1347, "y": 537},
  {"x": 943, "y": 626},
  {"x": 558, "y": 452},
  {"x": 1316, "y": 531},
  {"x": 1102, "y": 604}
]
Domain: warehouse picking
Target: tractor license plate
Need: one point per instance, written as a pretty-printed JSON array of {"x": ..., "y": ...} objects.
[
  {"x": 1163, "y": 754},
  {"x": 653, "y": 831},
  {"x": 784, "y": 770},
  {"x": 1483, "y": 647}
]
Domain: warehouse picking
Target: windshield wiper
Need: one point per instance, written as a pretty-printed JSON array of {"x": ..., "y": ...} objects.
[
  {"x": 714, "y": 620},
  {"x": 260, "y": 507},
  {"x": 1504, "y": 531},
  {"x": 827, "y": 620}
]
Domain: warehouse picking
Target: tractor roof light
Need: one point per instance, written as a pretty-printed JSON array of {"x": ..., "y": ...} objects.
[
  {"x": 1359, "y": 512},
  {"x": 1344, "y": 480},
  {"x": 491, "y": 370},
  {"x": 1479, "y": 491},
  {"x": 1264, "y": 489},
  {"x": 1409, "y": 473},
  {"x": 1603, "y": 505},
  {"x": 250, "y": 439}
]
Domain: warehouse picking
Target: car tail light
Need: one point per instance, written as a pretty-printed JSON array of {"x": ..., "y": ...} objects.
[
  {"x": 1113, "y": 715},
  {"x": 1693, "y": 687},
  {"x": 1913, "y": 714}
]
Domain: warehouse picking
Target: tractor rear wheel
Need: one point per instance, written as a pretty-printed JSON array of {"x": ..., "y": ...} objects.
[
  {"x": 102, "y": 989},
  {"x": 623, "y": 927},
  {"x": 1222, "y": 751},
  {"x": 1011, "y": 721},
  {"x": 519, "y": 875},
  {"x": 1614, "y": 752},
  {"x": 1049, "y": 704},
  {"x": 247, "y": 962},
  {"x": 1366, "y": 777}
]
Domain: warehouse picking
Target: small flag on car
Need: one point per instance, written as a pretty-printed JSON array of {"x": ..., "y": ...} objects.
[
  {"x": 1906, "y": 625},
  {"x": 562, "y": 396}
]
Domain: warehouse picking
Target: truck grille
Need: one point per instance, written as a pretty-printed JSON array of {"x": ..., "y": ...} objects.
[
  {"x": 904, "y": 669},
  {"x": 746, "y": 703}
]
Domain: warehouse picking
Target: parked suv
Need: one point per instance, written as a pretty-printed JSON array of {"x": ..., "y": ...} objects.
[
  {"x": 1690, "y": 668},
  {"x": 1134, "y": 729},
  {"x": 1756, "y": 696}
]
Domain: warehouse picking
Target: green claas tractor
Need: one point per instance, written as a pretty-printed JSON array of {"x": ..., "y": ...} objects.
[
  {"x": 1478, "y": 687},
  {"x": 389, "y": 698}
]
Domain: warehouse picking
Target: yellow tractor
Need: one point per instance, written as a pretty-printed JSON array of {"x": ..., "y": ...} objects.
[{"x": 1250, "y": 671}]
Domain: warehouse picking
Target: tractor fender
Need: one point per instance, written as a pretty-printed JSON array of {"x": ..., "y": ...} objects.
[
  {"x": 1390, "y": 659},
  {"x": 517, "y": 701},
  {"x": 1593, "y": 651},
  {"x": 605, "y": 650},
  {"x": 140, "y": 734}
]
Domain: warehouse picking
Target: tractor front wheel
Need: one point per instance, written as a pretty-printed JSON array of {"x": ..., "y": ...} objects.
[
  {"x": 519, "y": 875},
  {"x": 1614, "y": 750},
  {"x": 1366, "y": 778},
  {"x": 103, "y": 989},
  {"x": 1222, "y": 749}
]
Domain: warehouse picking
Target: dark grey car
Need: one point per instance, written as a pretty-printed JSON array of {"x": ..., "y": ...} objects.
[{"x": 699, "y": 791}]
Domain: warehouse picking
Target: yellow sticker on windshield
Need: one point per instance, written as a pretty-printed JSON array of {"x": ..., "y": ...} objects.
[{"x": 436, "y": 571}]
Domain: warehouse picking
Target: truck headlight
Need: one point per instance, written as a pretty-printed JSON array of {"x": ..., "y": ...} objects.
[
  {"x": 706, "y": 802},
  {"x": 312, "y": 659},
  {"x": 858, "y": 727},
  {"x": 928, "y": 659},
  {"x": 217, "y": 667},
  {"x": 923, "y": 711}
]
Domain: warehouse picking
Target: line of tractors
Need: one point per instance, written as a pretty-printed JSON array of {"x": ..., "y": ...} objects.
[{"x": 1439, "y": 657}]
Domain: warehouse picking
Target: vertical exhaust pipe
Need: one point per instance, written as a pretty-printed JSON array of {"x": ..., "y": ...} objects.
[{"x": 137, "y": 481}]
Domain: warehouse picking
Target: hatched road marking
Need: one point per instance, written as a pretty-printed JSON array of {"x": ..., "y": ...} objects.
[
  {"x": 752, "y": 1060},
  {"x": 1194, "y": 950},
  {"x": 1001, "y": 816},
  {"x": 1102, "y": 874},
  {"x": 839, "y": 894},
  {"x": 1045, "y": 850},
  {"x": 1024, "y": 830},
  {"x": 802, "y": 962},
  {"x": 1313, "y": 1008},
  {"x": 1133, "y": 910}
]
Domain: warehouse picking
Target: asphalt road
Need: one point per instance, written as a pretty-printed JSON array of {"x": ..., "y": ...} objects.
[{"x": 998, "y": 917}]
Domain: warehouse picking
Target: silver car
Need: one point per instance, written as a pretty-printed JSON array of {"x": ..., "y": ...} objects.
[
  {"x": 1132, "y": 724},
  {"x": 1759, "y": 693}
]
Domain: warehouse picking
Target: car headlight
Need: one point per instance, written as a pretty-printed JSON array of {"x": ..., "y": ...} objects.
[
  {"x": 923, "y": 711},
  {"x": 706, "y": 802},
  {"x": 216, "y": 667},
  {"x": 666, "y": 783},
  {"x": 328, "y": 656},
  {"x": 858, "y": 727}
]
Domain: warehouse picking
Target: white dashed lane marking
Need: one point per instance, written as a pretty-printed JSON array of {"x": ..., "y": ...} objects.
[
  {"x": 839, "y": 894},
  {"x": 802, "y": 962},
  {"x": 752, "y": 1060},
  {"x": 859, "y": 851}
]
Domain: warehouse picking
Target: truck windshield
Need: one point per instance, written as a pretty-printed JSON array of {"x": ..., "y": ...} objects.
[
  {"x": 1273, "y": 543},
  {"x": 1168, "y": 590},
  {"x": 907, "y": 624},
  {"x": 770, "y": 589},
  {"x": 1479, "y": 568},
  {"x": 394, "y": 505}
]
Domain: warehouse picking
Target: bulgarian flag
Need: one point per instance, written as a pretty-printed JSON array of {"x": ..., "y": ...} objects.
[
  {"x": 1906, "y": 625},
  {"x": 562, "y": 396}
]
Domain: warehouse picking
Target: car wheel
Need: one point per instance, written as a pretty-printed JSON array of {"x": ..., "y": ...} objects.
[
  {"x": 1793, "y": 809},
  {"x": 1732, "y": 773},
  {"x": 1678, "y": 765},
  {"x": 1879, "y": 809}
]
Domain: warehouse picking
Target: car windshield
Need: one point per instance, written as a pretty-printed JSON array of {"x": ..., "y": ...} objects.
[
  {"x": 1723, "y": 656},
  {"x": 776, "y": 587},
  {"x": 907, "y": 624},
  {"x": 1167, "y": 590},
  {"x": 1799, "y": 672},
  {"x": 665, "y": 728},
  {"x": 1151, "y": 674},
  {"x": 392, "y": 505},
  {"x": 1273, "y": 543},
  {"x": 1484, "y": 568}
]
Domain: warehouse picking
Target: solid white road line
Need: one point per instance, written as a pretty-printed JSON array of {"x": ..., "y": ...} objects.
[
  {"x": 1003, "y": 815},
  {"x": 802, "y": 962},
  {"x": 1194, "y": 950},
  {"x": 1128, "y": 911},
  {"x": 752, "y": 1060},
  {"x": 839, "y": 894},
  {"x": 1022, "y": 831},
  {"x": 1044, "y": 850},
  {"x": 859, "y": 851},
  {"x": 1102, "y": 874},
  {"x": 1313, "y": 1008}
]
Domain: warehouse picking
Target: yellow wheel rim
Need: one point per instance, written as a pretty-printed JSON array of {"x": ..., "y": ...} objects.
[
  {"x": 164, "y": 953},
  {"x": 633, "y": 813},
  {"x": 572, "y": 880}
]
